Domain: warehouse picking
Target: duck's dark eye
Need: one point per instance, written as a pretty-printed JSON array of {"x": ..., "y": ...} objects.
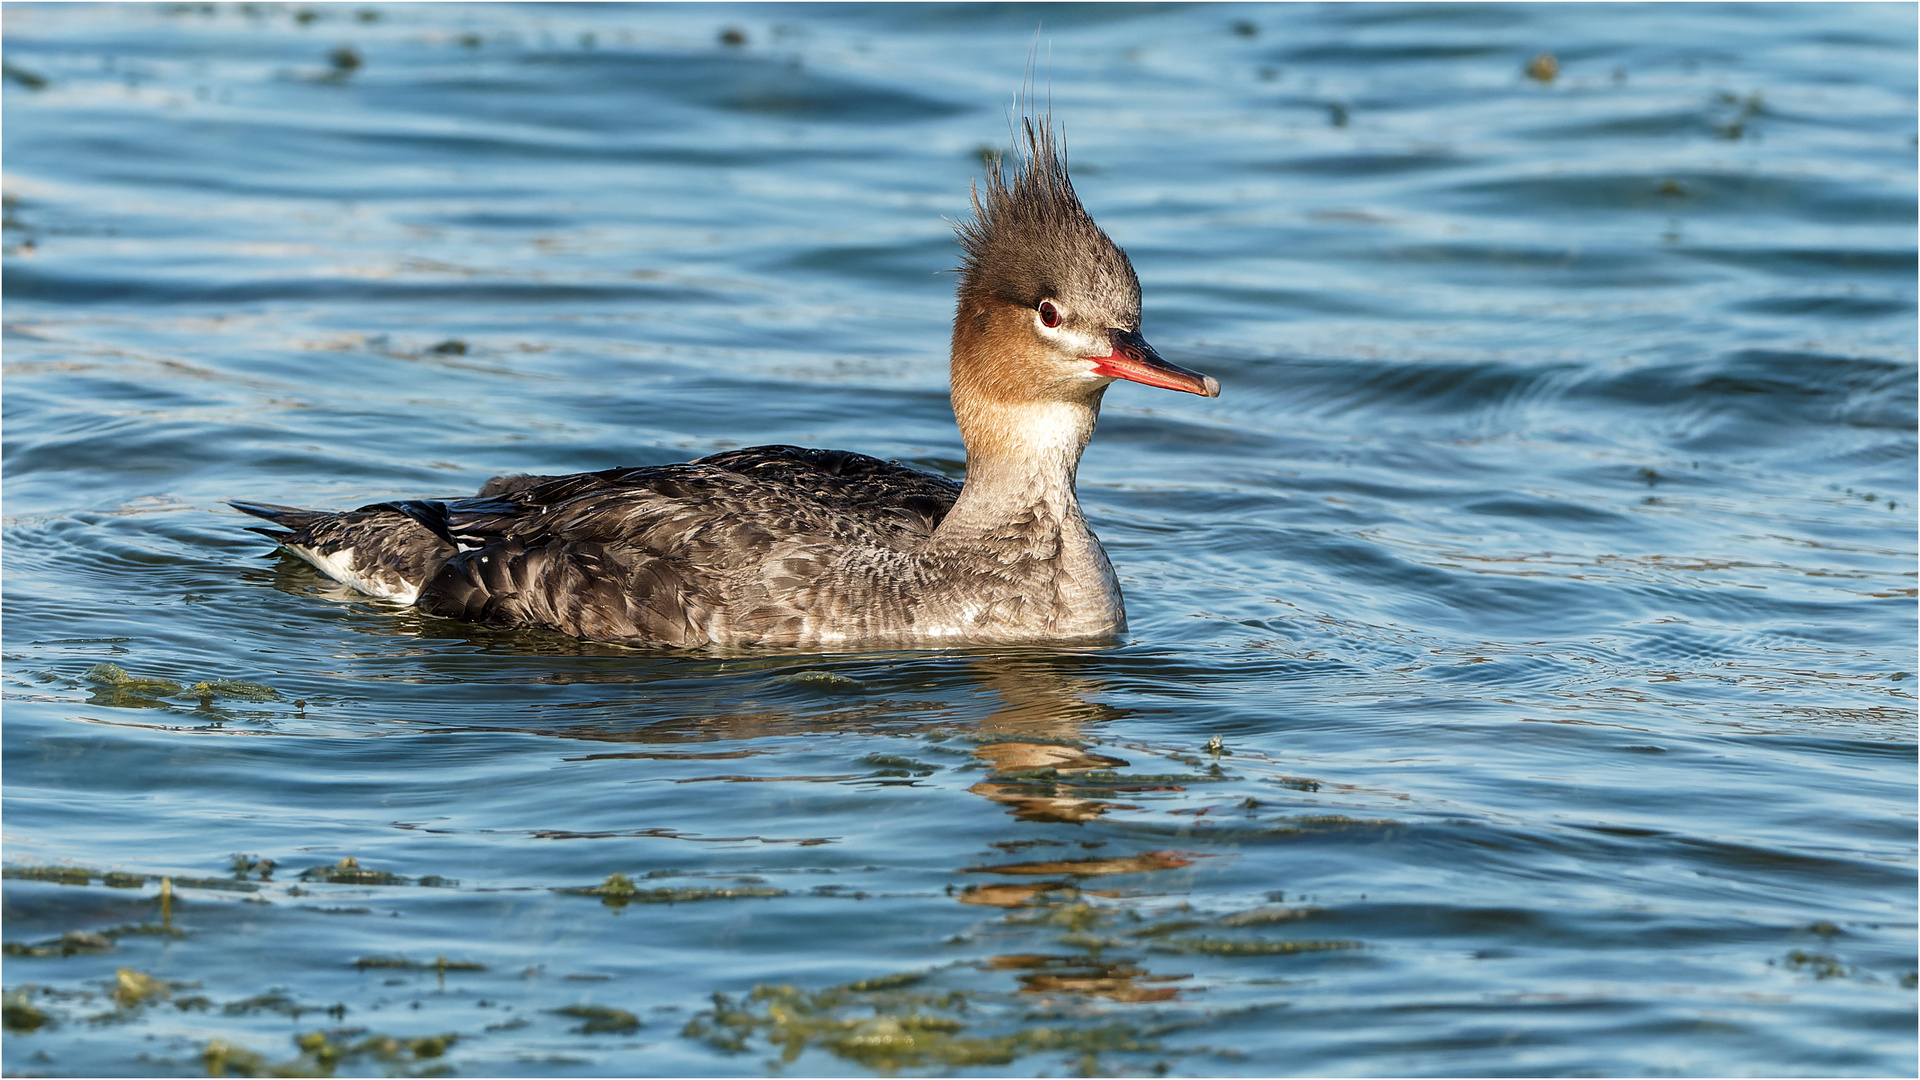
[{"x": 1049, "y": 315}]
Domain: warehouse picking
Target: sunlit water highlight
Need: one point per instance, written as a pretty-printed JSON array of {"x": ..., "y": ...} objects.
[{"x": 1545, "y": 572}]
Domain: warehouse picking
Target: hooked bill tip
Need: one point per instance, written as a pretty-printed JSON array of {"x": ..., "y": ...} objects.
[{"x": 1210, "y": 386}]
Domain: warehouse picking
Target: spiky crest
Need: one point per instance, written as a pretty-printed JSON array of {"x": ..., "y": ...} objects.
[{"x": 1030, "y": 239}]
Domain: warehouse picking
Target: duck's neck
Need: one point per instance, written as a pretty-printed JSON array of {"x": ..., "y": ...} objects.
[
  {"x": 1022, "y": 461},
  {"x": 1017, "y": 530},
  {"x": 1016, "y": 536}
]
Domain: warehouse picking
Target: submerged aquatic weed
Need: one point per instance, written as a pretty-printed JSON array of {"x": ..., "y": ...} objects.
[
  {"x": 1819, "y": 965},
  {"x": 601, "y": 1019},
  {"x": 275, "y": 1001},
  {"x": 825, "y": 681},
  {"x": 244, "y": 864},
  {"x": 114, "y": 879},
  {"x": 114, "y": 686},
  {"x": 233, "y": 688},
  {"x": 225, "y": 1059},
  {"x": 348, "y": 871},
  {"x": 89, "y": 941},
  {"x": 114, "y": 680},
  {"x": 1162, "y": 929},
  {"x": 895, "y": 765},
  {"x": 619, "y": 890},
  {"x": 133, "y": 989},
  {"x": 323, "y": 1052},
  {"x": 884, "y": 1025},
  {"x": 440, "y": 964},
  {"x": 19, "y": 1014},
  {"x": 1075, "y": 917},
  {"x": 67, "y": 944},
  {"x": 62, "y": 875},
  {"x": 222, "y": 884}
]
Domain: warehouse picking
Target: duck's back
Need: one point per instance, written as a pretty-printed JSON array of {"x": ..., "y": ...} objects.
[
  {"x": 718, "y": 550},
  {"x": 722, "y": 511}
]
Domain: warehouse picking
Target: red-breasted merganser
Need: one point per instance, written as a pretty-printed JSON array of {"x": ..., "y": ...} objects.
[{"x": 822, "y": 549}]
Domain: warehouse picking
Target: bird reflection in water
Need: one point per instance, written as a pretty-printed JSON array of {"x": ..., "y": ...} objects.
[
  {"x": 1038, "y": 734},
  {"x": 1042, "y": 773},
  {"x": 1066, "y": 889}
]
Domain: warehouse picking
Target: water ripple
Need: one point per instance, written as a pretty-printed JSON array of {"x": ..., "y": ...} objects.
[{"x": 1521, "y": 677}]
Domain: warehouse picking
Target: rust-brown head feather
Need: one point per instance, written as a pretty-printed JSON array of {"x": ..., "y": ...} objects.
[
  {"x": 1031, "y": 240},
  {"x": 1048, "y": 315}
]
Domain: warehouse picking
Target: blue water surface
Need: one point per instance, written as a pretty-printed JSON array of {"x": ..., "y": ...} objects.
[{"x": 1523, "y": 645}]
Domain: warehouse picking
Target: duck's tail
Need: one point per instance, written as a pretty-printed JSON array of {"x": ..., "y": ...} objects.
[
  {"x": 292, "y": 517},
  {"x": 388, "y": 550}
]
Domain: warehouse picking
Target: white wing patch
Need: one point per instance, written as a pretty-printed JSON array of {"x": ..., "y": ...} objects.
[{"x": 339, "y": 565}]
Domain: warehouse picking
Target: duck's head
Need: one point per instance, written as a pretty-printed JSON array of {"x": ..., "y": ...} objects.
[{"x": 1049, "y": 307}]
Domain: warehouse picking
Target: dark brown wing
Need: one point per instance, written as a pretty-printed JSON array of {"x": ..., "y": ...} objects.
[
  {"x": 645, "y": 554},
  {"x": 588, "y": 590}
]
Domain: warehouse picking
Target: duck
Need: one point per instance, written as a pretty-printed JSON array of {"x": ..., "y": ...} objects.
[{"x": 784, "y": 547}]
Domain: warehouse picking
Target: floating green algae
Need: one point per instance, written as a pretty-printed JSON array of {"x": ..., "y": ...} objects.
[
  {"x": 273, "y": 1001},
  {"x": 1819, "y": 965},
  {"x": 19, "y": 1014},
  {"x": 233, "y": 688},
  {"x": 135, "y": 988},
  {"x": 114, "y": 679},
  {"x": 75, "y": 942},
  {"x": 825, "y": 681},
  {"x": 321, "y": 1053},
  {"x": 885, "y": 1025},
  {"x": 1163, "y": 929},
  {"x": 1074, "y": 917},
  {"x": 1339, "y": 821},
  {"x": 224, "y": 1059},
  {"x": 63, "y": 875},
  {"x": 1103, "y": 781},
  {"x": 68, "y": 944},
  {"x": 248, "y": 864},
  {"x": 440, "y": 964},
  {"x": 601, "y": 1019},
  {"x": 221, "y": 884},
  {"x": 619, "y": 890},
  {"x": 115, "y": 686},
  {"x": 895, "y": 765},
  {"x": 348, "y": 871},
  {"x": 114, "y": 879}
]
